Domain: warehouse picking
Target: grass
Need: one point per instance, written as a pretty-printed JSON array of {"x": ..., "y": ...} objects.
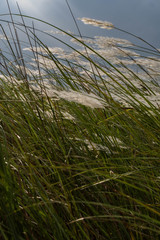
[{"x": 79, "y": 142}]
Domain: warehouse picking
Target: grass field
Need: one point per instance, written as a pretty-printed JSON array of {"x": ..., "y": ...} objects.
[{"x": 79, "y": 136}]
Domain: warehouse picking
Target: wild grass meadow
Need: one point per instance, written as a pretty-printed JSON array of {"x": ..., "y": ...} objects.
[{"x": 79, "y": 134}]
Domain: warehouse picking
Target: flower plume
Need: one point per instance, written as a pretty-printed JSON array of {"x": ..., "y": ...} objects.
[{"x": 97, "y": 23}]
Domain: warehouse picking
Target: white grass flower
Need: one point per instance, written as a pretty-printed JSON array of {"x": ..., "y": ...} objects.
[
  {"x": 53, "y": 50},
  {"x": 84, "y": 40},
  {"x": 89, "y": 100},
  {"x": 2, "y": 37},
  {"x": 46, "y": 63},
  {"x": 97, "y": 23},
  {"x": 28, "y": 71},
  {"x": 99, "y": 147},
  {"x": 104, "y": 42},
  {"x": 150, "y": 63},
  {"x": 68, "y": 116},
  {"x": 59, "y": 32}
]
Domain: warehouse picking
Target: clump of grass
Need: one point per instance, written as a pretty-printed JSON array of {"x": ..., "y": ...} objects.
[{"x": 79, "y": 143}]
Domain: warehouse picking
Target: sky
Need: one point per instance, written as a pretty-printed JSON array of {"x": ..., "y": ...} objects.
[{"x": 141, "y": 17}]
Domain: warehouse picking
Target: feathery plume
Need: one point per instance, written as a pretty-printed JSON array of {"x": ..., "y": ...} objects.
[{"x": 97, "y": 23}]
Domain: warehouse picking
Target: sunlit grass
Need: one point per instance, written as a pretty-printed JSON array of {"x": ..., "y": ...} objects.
[{"x": 79, "y": 142}]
